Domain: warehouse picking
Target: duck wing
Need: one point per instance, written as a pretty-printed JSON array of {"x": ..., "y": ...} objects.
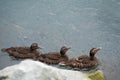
[
  {"x": 83, "y": 57},
  {"x": 17, "y": 49},
  {"x": 51, "y": 55},
  {"x": 23, "y": 50}
]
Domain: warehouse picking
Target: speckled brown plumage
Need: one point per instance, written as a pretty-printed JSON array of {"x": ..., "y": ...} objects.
[
  {"x": 84, "y": 61},
  {"x": 22, "y": 51},
  {"x": 54, "y": 57}
]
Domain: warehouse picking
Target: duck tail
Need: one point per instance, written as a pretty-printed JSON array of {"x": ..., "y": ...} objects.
[{"x": 4, "y": 49}]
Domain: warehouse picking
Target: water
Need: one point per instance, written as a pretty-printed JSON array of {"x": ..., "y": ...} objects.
[{"x": 80, "y": 24}]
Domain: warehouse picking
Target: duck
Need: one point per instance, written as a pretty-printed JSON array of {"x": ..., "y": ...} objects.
[
  {"x": 83, "y": 61},
  {"x": 23, "y": 51},
  {"x": 54, "y": 57}
]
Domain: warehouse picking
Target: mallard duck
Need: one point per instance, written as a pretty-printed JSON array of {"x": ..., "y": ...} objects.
[
  {"x": 54, "y": 57},
  {"x": 23, "y": 51},
  {"x": 83, "y": 61}
]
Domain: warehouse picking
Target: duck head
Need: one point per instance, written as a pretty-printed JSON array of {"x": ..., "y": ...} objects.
[
  {"x": 93, "y": 51},
  {"x": 34, "y": 46},
  {"x": 63, "y": 50}
]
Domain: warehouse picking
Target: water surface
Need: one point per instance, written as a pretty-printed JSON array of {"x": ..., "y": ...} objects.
[{"x": 80, "y": 24}]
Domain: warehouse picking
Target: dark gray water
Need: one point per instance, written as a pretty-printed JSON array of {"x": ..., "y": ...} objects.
[{"x": 81, "y": 24}]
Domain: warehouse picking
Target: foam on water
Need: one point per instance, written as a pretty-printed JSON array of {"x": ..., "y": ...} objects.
[{"x": 34, "y": 70}]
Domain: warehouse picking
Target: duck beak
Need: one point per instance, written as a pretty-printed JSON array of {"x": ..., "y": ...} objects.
[{"x": 97, "y": 49}]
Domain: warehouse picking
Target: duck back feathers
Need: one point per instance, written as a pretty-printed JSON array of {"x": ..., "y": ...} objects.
[{"x": 22, "y": 51}]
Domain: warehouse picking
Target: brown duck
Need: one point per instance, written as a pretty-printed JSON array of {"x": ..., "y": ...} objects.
[
  {"x": 23, "y": 51},
  {"x": 54, "y": 57},
  {"x": 83, "y": 61}
]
